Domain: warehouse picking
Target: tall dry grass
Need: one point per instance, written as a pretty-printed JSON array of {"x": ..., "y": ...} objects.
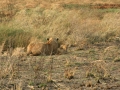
[
  {"x": 16, "y": 37},
  {"x": 72, "y": 26}
]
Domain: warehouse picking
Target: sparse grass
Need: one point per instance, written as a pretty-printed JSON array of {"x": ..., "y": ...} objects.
[
  {"x": 111, "y": 53},
  {"x": 117, "y": 59},
  {"x": 13, "y": 69},
  {"x": 69, "y": 73},
  {"x": 70, "y": 69},
  {"x": 40, "y": 72},
  {"x": 98, "y": 70}
]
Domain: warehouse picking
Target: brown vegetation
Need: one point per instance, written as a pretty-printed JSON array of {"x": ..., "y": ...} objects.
[
  {"x": 98, "y": 69},
  {"x": 69, "y": 74},
  {"x": 7, "y": 46},
  {"x": 19, "y": 52},
  {"x": 105, "y": 6}
]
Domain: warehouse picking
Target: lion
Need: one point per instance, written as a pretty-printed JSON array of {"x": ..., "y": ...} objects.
[
  {"x": 63, "y": 49},
  {"x": 41, "y": 48}
]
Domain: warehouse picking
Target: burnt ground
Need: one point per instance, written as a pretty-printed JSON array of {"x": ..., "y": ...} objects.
[{"x": 48, "y": 72}]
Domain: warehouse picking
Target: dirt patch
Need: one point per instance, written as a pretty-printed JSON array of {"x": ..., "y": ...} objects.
[{"x": 49, "y": 72}]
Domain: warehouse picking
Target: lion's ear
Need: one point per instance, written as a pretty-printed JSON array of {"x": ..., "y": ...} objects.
[
  {"x": 57, "y": 39},
  {"x": 48, "y": 39}
]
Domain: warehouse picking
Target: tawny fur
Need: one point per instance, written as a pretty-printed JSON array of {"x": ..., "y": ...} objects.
[
  {"x": 41, "y": 48},
  {"x": 64, "y": 47}
]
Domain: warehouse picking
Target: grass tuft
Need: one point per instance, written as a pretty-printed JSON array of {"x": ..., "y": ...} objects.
[{"x": 19, "y": 37}]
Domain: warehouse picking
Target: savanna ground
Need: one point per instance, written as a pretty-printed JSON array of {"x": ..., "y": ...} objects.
[{"x": 93, "y": 34}]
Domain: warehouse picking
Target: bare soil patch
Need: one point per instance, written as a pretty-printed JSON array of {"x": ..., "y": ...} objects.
[{"x": 48, "y": 72}]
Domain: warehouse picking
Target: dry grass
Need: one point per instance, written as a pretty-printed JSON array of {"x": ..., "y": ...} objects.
[
  {"x": 57, "y": 72},
  {"x": 68, "y": 74},
  {"x": 19, "y": 52},
  {"x": 89, "y": 32},
  {"x": 75, "y": 26},
  {"x": 98, "y": 69},
  {"x": 9, "y": 69},
  {"x": 111, "y": 52}
]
